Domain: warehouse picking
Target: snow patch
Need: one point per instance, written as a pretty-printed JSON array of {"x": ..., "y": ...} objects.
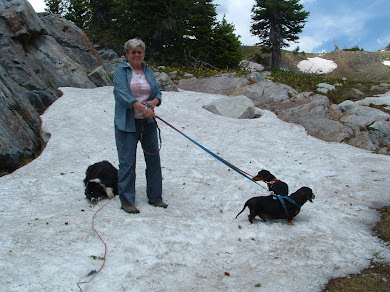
[
  {"x": 317, "y": 65},
  {"x": 196, "y": 244}
]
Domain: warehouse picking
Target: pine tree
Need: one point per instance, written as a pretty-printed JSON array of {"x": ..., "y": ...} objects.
[
  {"x": 201, "y": 21},
  {"x": 101, "y": 13},
  {"x": 56, "y": 6},
  {"x": 277, "y": 22},
  {"x": 161, "y": 24},
  {"x": 79, "y": 13},
  {"x": 175, "y": 32},
  {"x": 227, "y": 51}
]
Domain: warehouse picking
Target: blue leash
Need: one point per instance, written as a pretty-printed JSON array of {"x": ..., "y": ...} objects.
[
  {"x": 243, "y": 173},
  {"x": 282, "y": 198}
]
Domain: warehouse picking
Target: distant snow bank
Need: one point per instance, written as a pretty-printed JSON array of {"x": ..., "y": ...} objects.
[{"x": 317, "y": 65}]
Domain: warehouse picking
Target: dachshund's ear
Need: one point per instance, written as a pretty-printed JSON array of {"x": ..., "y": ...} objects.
[
  {"x": 267, "y": 175},
  {"x": 309, "y": 195}
]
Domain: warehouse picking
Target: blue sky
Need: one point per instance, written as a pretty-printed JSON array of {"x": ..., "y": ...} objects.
[{"x": 345, "y": 23}]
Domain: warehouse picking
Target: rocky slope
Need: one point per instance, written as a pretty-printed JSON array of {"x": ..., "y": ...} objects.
[
  {"x": 353, "y": 65},
  {"x": 38, "y": 55},
  {"x": 359, "y": 123}
]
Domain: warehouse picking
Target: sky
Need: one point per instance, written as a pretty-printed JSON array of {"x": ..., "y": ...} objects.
[
  {"x": 341, "y": 23},
  {"x": 196, "y": 244}
]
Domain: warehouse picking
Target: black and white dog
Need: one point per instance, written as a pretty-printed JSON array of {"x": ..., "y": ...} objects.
[{"x": 101, "y": 181}]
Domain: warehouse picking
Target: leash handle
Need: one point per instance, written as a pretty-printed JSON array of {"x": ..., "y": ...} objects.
[{"x": 243, "y": 173}]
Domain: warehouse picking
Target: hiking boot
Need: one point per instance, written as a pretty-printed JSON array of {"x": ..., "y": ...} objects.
[
  {"x": 130, "y": 209},
  {"x": 161, "y": 204}
]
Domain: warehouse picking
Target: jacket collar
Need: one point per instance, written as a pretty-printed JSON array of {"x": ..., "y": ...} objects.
[{"x": 127, "y": 65}]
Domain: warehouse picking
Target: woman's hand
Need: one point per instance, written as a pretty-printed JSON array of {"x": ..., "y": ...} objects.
[
  {"x": 149, "y": 113},
  {"x": 153, "y": 103}
]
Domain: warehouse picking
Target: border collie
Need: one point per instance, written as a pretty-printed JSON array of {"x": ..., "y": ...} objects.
[{"x": 101, "y": 181}]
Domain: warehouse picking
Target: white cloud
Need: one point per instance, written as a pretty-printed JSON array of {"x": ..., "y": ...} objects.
[
  {"x": 343, "y": 30},
  {"x": 306, "y": 44},
  {"x": 239, "y": 14},
  {"x": 304, "y": 2},
  {"x": 38, "y": 5},
  {"x": 384, "y": 42}
]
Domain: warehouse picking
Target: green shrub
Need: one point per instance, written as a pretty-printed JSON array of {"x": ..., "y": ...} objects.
[{"x": 355, "y": 48}]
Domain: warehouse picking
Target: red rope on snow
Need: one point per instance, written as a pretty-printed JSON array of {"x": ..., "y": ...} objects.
[{"x": 105, "y": 246}]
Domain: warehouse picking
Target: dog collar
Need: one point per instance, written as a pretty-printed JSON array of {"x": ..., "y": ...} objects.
[{"x": 272, "y": 181}]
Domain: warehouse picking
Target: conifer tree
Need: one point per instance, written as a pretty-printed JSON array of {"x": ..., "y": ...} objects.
[
  {"x": 201, "y": 22},
  {"x": 161, "y": 24},
  {"x": 227, "y": 52},
  {"x": 79, "y": 12},
  {"x": 277, "y": 22},
  {"x": 56, "y": 6},
  {"x": 174, "y": 31},
  {"x": 101, "y": 13}
]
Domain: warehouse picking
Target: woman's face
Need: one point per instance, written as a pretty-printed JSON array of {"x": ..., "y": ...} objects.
[{"x": 135, "y": 57}]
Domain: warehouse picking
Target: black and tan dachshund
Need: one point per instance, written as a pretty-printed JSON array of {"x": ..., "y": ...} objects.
[
  {"x": 270, "y": 207},
  {"x": 278, "y": 187}
]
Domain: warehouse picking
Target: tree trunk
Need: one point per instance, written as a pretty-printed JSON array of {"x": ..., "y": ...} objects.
[
  {"x": 276, "y": 57},
  {"x": 276, "y": 41}
]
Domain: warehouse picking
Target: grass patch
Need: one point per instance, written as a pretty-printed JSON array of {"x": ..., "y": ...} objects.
[
  {"x": 375, "y": 278},
  {"x": 308, "y": 83},
  {"x": 197, "y": 72},
  {"x": 380, "y": 107}
]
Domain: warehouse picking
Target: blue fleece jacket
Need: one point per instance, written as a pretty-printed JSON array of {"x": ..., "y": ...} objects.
[{"x": 124, "y": 114}]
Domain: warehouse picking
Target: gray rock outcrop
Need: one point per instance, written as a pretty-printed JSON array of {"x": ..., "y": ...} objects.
[
  {"x": 371, "y": 126},
  {"x": 165, "y": 82},
  {"x": 38, "y": 55},
  {"x": 237, "y": 107},
  {"x": 222, "y": 84},
  {"x": 350, "y": 122},
  {"x": 354, "y": 94},
  {"x": 325, "y": 88},
  {"x": 99, "y": 76}
]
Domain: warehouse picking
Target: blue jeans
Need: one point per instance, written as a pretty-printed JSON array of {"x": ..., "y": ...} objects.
[{"x": 126, "y": 144}]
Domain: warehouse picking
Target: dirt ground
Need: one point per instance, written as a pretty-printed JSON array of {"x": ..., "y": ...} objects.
[
  {"x": 376, "y": 277},
  {"x": 359, "y": 65}
]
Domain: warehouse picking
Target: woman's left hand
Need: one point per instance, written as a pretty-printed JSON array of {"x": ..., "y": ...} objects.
[{"x": 153, "y": 103}]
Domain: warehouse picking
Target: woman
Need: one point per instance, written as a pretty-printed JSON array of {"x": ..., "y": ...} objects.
[{"x": 136, "y": 95}]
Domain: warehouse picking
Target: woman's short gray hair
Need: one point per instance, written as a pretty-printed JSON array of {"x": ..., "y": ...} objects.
[{"x": 133, "y": 44}]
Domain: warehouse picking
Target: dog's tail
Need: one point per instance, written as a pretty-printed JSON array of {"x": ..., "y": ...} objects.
[{"x": 241, "y": 210}]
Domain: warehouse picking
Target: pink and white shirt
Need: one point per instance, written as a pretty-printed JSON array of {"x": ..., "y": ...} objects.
[{"x": 140, "y": 89}]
